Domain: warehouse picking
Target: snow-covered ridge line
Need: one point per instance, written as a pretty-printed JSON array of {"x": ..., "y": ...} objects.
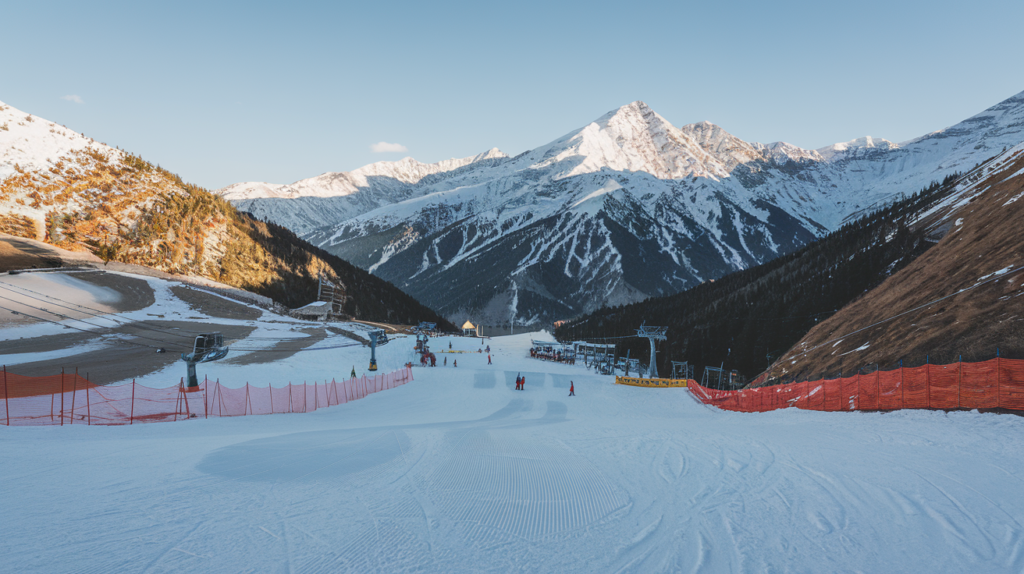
[
  {"x": 333, "y": 184},
  {"x": 28, "y": 142}
]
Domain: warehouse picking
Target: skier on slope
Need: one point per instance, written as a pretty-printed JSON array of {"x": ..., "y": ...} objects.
[
  {"x": 572, "y": 389},
  {"x": 455, "y": 363},
  {"x": 446, "y": 361},
  {"x": 522, "y": 383},
  {"x": 488, "y": 358}
]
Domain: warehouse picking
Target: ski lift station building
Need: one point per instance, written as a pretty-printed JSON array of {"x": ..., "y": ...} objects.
[
  {"x": 470, "y": 330},
  {"x": 315, "y": 311}
]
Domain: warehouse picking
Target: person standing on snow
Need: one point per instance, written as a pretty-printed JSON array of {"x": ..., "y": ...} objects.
[
  {"x": 353, "y": 371},
  {"x": 488, "y": 358},
  {"x": 522, "y": 383},
  {"x": 446, "y": 361},
  {"x": 449, "y": 345},
  {"x": 572, "y": 389},
  {"x": 455, "y": 363}
]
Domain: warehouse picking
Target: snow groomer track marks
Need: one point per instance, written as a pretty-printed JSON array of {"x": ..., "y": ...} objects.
[
  {"x": 525, "y": 490},
  {"x": 451, "y": 474}
]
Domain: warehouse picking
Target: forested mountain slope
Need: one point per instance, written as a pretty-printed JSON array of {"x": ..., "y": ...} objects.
[
  {"x": 748, "y": 319},
  {"x": 962, "y": 298}
]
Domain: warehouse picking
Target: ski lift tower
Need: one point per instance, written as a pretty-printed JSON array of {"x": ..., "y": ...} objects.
[
  {"x": 652, "y": 334},
  {"x": 378, "y": 337},
  {"x": 207, "y": 347}
]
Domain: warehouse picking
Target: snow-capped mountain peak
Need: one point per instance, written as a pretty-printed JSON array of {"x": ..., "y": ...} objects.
[
  {"x": 633, "y": 138},
  {"x": 727, "y": 148},
  {"x": 782, "y": 152},
  {"x": 855, "y": 147}
]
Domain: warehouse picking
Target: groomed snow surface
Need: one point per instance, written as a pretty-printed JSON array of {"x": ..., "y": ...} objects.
[{"x": 458, "y": 472}]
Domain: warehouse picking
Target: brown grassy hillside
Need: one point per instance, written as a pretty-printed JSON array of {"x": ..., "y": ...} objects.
[
  {"x": 125, "y": 209},
  {"x": 950, "y": 301}
]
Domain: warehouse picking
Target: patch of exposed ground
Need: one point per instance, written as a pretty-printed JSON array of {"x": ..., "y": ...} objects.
[
  {"x": 136, "y": 294},
  {"x": 133, "y": 295},
  {"x": 44, "y": 344},
  {"x": 349, "y": 334},
  {"x": 215, "y": 306},
  {"x": 14, "y": 256},
  {"x": 23, "y": 253}
]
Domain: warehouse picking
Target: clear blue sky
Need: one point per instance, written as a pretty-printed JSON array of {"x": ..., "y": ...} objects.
[{"x": 281, "y": 91}]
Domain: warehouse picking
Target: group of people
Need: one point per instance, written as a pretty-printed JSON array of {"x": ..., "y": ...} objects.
[
  {"x": 556, "y": 356},
  {"x": 521, "y": 382}
]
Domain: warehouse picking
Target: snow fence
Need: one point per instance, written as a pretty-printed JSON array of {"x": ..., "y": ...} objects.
[
  {"x": 70, "y": 399},
  {"x": 996, "y": 383}
]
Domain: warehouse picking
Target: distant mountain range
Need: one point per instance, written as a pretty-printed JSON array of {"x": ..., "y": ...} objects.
[{"x": 622, "y": 209}]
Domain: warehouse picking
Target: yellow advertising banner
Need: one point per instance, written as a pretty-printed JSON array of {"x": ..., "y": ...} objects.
[{"x": 658, "y": 383}]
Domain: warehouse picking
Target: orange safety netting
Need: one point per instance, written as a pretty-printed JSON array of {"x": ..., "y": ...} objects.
[
  {"x": 996, "y": 383},
  {"x": 70, "y": 399}
]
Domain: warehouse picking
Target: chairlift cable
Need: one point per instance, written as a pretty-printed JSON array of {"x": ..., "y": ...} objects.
[
  {"x": 78, "y": 320},
  {"x": 76, "y": 328},
  {"x": 114, "y": 316}
]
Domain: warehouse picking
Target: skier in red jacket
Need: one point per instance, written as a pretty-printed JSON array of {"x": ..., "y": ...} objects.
[{"x": 572, "y": 389}]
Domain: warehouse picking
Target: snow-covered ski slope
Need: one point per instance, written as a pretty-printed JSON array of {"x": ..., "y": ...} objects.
[{"x": 458, "y": 472}]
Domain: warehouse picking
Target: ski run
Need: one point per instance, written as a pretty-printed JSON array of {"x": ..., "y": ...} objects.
[{"x": 458, "y": 472}]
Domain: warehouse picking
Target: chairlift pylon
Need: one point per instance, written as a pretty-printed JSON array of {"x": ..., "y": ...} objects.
[
  {"x": 652, "y": 334},
  {"x": 378, "y": 337}
]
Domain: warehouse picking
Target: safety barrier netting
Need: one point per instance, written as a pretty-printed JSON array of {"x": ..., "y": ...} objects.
[
  {"x": 70, "y": 399},
  {"x": 996, "y": 383}
]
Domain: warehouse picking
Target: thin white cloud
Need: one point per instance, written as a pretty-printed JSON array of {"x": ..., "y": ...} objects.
[
  {"x": 385, "y": 147},
  {"x": 73, "y": 98}
]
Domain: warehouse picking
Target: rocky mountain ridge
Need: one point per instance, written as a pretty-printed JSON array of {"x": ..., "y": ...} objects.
[{"x": 624, "y": 208}]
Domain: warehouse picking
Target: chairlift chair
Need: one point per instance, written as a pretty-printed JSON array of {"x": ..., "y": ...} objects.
[{"x": 206, "y": 348}]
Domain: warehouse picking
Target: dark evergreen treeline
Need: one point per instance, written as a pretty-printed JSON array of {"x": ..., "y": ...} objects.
[
  {"x": 749, "y": 318},
  {"x": 370, "y": 298}
]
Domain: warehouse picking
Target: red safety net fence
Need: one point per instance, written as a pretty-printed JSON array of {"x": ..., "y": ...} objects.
[
  {"x": 70, "y": 399},
  {"x": 996, "y": 383}
]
